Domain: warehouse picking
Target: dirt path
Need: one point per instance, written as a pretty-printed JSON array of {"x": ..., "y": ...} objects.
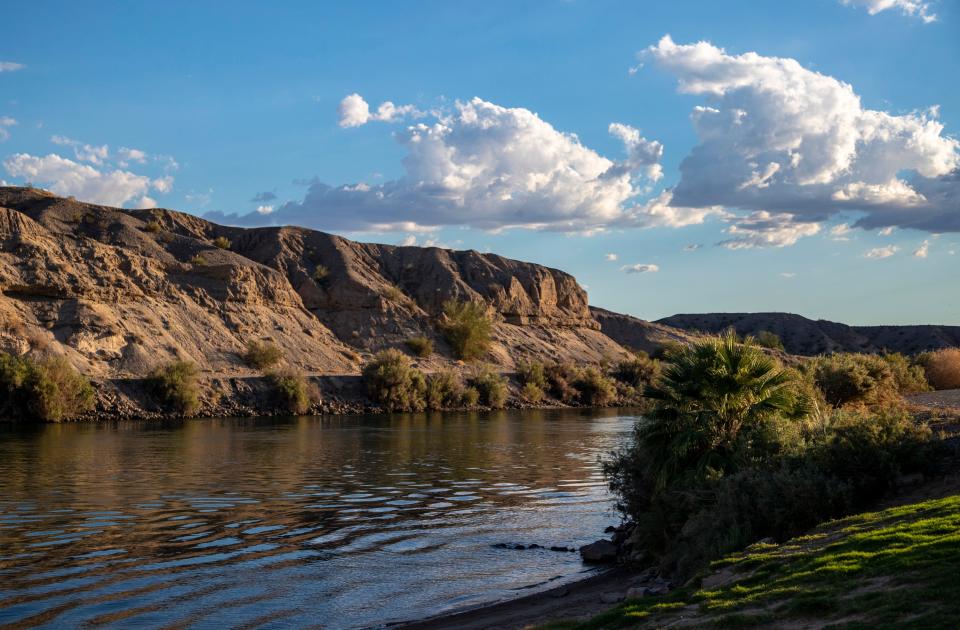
[{"x": 943, "y": 399}]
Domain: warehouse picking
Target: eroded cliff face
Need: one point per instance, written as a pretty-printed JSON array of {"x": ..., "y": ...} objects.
[{"x": 121, "y": 291}]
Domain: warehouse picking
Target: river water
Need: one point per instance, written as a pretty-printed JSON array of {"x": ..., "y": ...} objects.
[{"x": 332, "y": 522}]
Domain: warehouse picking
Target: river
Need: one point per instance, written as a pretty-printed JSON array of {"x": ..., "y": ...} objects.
[{"x": 332, "y": 522}]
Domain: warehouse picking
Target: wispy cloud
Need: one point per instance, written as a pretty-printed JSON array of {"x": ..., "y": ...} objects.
[
  {"x": 881, "y": 252},
  {"x": 640, "y": 268}
]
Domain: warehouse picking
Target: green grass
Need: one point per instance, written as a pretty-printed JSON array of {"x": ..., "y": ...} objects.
[{"x": 897, "y": 568}]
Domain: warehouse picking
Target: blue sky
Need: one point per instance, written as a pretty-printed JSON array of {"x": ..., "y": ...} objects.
[{"x": 812, "y": 176}]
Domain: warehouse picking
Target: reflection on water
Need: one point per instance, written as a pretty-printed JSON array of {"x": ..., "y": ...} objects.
[{"x": 332, "y": 522}]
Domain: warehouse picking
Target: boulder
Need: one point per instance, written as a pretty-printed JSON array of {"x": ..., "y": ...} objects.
[{"x": 602, "y": 551}]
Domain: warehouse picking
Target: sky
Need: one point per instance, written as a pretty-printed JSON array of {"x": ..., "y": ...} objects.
[{"x": 676, "y": 157}]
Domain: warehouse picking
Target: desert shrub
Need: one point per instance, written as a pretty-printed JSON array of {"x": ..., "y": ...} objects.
[
  {"x": 262, "y": 354},
  {"x": 561, "y": 376},
  {"x": 320, "y": 274},
  {"x": 49, "y": 390},
  {"x": 728, "y": 454},
  {"x": 594, "y": 388},
  {"x": 531, "y": 392},
  {"x": 393, "y": 293},
  {"x": 393, "y": 382},
  {"x": 942, "y": 368},
  {"x": 199, "y": 260},
  {"x": 854, "y": 379},
  {"x": 444, "y": 390},
  {"x": 420, "y": 346},
  {"x": 491, "y": 386},
  {"x": 222, "y": 242},
  {"x": 909, "y": 378},
  {"x": 770, "y": 340},
  {"x": 175, "y": 385},
  {"x": 153, "y": 227},
  {"x": 293, "y": 391},
  {"x": 638, "y": 371},
  {"x": 466, "y": 327},
  {"x": 532, "y": 373}
]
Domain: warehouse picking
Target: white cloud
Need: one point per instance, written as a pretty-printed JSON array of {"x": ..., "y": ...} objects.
[
  {"x": 409, "y": 241},
  {"x": 69, "y": 178},
  {"x": 128, "y": 155},
  {"x": 840, "y": 232},
  {"x": 265, "y": 209},
  {"x": 10, "y": 66},
  {"x": 642, "y": 155},
  {"x": 163, "y": 184},
  {"x": 923, "y": 251},
  {"x": 776, "y": 137},
  {"x": 354, "y": 112},
  {"x": 916, "y": 8},
  {"x": 640, "y": 268},
  {"x": 611, "y": 257},
  {"x": 491, "y": 167},
  {"x": 881, "y": 252},
  {"x": 887, "y": 231},
  {"x": 146, "y": 202},
  {"x": 763, "y": 229},
  {"x": 787, "y": 275},
  {"x": 84, "y": 152},
  {"x": 6, "y": 121}
]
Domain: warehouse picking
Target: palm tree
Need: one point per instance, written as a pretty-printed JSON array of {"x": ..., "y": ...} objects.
[{"x": 712, "y": 409}]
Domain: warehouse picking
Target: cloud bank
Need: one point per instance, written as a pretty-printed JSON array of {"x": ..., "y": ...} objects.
[
  {"x": 489, "y": 167},
  {"x": 775, "y": 137}
]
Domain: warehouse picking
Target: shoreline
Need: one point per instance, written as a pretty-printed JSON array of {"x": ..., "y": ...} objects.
[{"x": 577, "y": 600}]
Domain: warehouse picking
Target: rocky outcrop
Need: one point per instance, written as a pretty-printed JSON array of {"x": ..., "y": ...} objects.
[
  {"x": 811, "y": 337},
  {"x": 120, "y": 291}
]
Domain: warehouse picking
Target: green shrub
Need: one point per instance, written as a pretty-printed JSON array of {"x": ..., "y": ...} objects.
[
  {"x": 444, "y": 390},
  {"x": 393, "y": 382},
  {"x": 153, "y": 227},
  {"x": 293, "y": 391},
  {"x": 320, "y": 274},
  {"x": 594, "y": 388},
  {"x": 532, "y": 373},
  {"x": 909, "y": 378},
  {"x": 199, "y": 260},
  {"x": 491, "y": 386},
  {"x": 735, "y": 450},
  {"x": 638, "y": 371},
  {"x": 262, "y": 354},
  {"x": 466, "y": 327},
  {"x": 394, "y": 293},
  {"x": 942, "y": 368},
  {"x": 850, "y": 378},
  {"x": 471, "y": 397},
  {"x": 531, "y": 393},
  {"x": 770, "y": 340},
  {"x": 176, "y": 386},
  {"x": 49, "y": 390},
  {"x": 561, "y": 376},
  {"x": 420, "y": 346},
  {"x": 222, "y": 242}
]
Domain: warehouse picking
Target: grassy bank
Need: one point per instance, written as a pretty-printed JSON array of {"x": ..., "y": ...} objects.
[{"x": 894, "y": 568}]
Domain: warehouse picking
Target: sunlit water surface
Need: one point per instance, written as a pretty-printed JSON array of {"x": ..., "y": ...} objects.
[{"x": 296, "y": 522}]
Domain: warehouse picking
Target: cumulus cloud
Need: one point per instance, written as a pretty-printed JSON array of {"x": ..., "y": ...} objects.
[
  {"x": 354, "y": 111},
  {"x": 492, "y": 167},
  {"x": 66, "y": 177},
  {"x": 881, "y": 252},
  {"x": 764, "y": 229},
  {"x": 777, "y": 137},
  {"x": 6, "y": 121},
  {"x": 128, "y": 155},
  {"x": 914, "y": 8},
  {"x": 83, "y": 152},
  {"x": 640, "y": 268},
  {"x": 264, "y": 209},
  {"x": 923, "y": 251},
  {"x": 10, "y": 66},
  {"x": 610, "y": 257},
  {"x": 840, "y": 232}
]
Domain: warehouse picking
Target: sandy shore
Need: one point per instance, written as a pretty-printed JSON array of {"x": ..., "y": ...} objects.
[{"x": 579, "y": 600}]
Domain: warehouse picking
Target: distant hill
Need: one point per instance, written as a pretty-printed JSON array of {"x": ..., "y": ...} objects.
[{"x": 811, "y": 337}]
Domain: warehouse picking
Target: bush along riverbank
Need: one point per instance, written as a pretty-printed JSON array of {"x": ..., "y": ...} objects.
[{"x": 737, "y": 449}]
